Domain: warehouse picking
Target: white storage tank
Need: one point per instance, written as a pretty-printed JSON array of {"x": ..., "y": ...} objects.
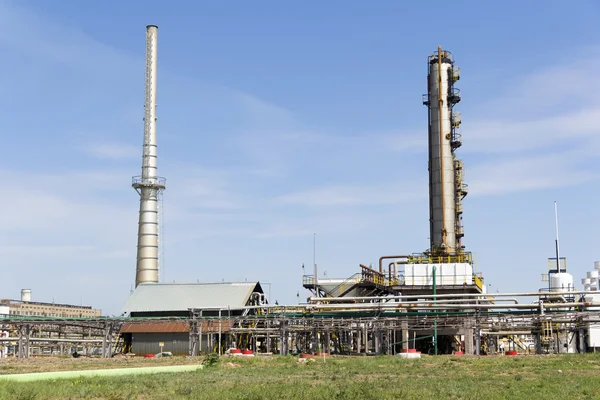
[
  {"x": 561, "y": 282},
  {"x": 25, "y": 294}
]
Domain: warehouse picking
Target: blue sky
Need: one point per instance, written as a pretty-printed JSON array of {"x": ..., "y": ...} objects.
[{"x": 281, "y": 119}]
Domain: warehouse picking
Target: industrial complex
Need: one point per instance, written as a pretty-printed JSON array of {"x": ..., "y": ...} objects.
[{"x": 432, "y": 302}]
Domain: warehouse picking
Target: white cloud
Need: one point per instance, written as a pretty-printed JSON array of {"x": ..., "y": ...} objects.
[
  {"x": 528, "y": 173},
  {"x": 113, "y": 151},
  {"x": 573, "y": 128},
  {"x": 355, "y": 195}
]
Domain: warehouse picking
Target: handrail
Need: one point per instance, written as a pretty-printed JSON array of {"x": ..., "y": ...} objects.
[
  {"x": 465, "y": 257},
  {"x": 139, "y": 181},
  {"x": 308, "y": 279},
  {"x": 354, "y": 278},
  {"x": 454, "y": 95}
]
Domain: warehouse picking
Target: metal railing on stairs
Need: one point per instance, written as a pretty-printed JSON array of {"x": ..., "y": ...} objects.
[{"x": 343, "y": 287}]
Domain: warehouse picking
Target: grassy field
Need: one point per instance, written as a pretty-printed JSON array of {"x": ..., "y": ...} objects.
[{"x": 385, "y": 377}]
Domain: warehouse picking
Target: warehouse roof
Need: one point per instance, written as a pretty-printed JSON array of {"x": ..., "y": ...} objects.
[{"x": 157, "y": 297}]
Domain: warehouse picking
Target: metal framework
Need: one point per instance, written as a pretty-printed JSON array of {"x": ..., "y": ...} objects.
[{"x": 472, "y": 323}]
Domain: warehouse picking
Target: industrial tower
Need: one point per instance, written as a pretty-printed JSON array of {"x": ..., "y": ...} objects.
[
  {"x": 446, "y": 187},
  {"x": 149, "y": 186},
  {"x": 446, "y": 268}
]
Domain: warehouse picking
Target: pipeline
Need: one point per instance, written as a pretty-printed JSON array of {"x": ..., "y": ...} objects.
[
  {"x": 389, "y": 257},
  {"x": 456, "y": 295},
  {"x": 431, "y": 306},
  {"x": 43, "y": 376},
  {"x": 58, "y": 340}
]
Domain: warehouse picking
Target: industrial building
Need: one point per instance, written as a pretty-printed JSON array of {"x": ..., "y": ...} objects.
[
  {"x": 27, "y": 308},
  {"x": 153, "y": 300}
]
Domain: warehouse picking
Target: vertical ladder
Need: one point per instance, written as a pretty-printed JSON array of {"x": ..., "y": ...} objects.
[{"x": 547, "y": 331}]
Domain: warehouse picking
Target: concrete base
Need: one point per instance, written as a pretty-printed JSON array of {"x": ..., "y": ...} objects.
[{"x": 409, "y": 355}]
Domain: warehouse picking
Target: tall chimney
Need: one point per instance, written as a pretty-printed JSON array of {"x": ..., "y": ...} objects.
[{"x": 149, "y": 186}]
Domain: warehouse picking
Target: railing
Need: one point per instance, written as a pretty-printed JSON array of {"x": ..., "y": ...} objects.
[
  {"x": 456, "y": 139},
  {"x": 155, "y": 182},
  {"x": 372, "y": 276},
  {"x": 441, "y": 259},
  {"x": 478, "y": 281},
  {"x": 344, "y": 286},
  {"x": 454, "y": 95},
  {"x": 425, "y": 99},
  {"x": 562, "y": 264},
  {"x": 441, "y": 280},
  {"x": 455, "y": 73},
  {"x": 446, "y": 56},
  {"x": 456, "y": 119},
  {"x": 308, "y": 280}
]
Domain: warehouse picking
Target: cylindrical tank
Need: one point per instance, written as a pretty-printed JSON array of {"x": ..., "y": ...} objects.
[
  {"x": 561, "y": 282},
  {"x": 586, "y": 281},
  {"x": 25, "y": 294},
  {"x": 441, "y": 162}
]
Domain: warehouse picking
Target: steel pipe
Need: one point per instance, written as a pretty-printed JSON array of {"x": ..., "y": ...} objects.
[
  {"x": 456, "y": 295},
  {"x": 389, "y": 257}
]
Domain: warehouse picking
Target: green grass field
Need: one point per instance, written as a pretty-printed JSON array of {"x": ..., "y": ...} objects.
[{"x": 385, "y": 377}]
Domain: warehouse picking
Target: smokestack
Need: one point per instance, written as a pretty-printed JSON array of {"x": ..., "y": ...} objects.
[
  {"x": 446, "y": 187},
  {"x": 25, "y": 294},
  {"x": 149, "y": 186}
]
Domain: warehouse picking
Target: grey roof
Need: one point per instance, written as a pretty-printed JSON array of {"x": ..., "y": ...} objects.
[{"x": 149, "y": 297}]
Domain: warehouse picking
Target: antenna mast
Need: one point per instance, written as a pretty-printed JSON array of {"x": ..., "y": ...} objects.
[{"x": 556, "y": 227}]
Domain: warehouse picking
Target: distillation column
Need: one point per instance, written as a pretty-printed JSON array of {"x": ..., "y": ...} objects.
[
  {"x": 446, "y": 189},
  {"x": 149, "y": 186}
]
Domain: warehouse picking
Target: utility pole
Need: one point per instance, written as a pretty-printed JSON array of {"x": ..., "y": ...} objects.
[{"x": 315, "y": 264}]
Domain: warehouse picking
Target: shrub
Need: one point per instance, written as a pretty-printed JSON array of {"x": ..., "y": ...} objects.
[{"x": 210, "y": 360}]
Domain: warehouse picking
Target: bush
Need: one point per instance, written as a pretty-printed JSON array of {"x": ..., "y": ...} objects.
[{"x": 210, "y": 360}]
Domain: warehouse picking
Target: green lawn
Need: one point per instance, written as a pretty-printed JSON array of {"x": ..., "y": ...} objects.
[{"x": 385, "y": 377}]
